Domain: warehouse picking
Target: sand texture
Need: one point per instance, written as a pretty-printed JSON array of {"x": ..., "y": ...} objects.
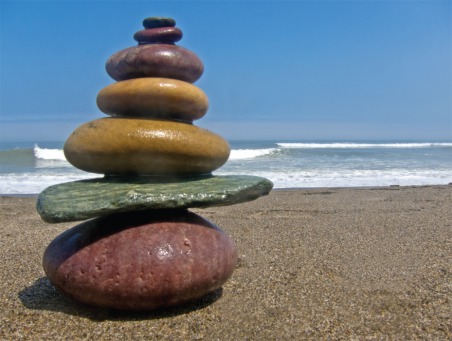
[{"x": 350, "y": 264}]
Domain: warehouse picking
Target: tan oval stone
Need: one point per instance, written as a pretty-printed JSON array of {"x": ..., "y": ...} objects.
[
  {"x": 153, "y": 97},
  {"x": 127, "y": 146}
]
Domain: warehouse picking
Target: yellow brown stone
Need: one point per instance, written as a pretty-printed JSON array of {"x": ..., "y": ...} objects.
[
  {"x": 135, "y": 146},
  {"x": 154, "y": 98}
]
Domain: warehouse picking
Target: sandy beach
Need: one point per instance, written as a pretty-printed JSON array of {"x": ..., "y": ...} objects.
[{"x": 350, "y": 264}]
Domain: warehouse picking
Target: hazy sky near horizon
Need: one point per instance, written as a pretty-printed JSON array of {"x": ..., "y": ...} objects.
[{"x": 273, "y": 69}]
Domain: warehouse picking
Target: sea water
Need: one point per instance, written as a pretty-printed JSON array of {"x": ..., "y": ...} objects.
[{"x": 28, "y": 167}]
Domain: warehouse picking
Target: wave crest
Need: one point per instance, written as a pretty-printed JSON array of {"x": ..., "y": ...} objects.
[
  {"x": 362, "y": 145},
  {"x": 48, "y": 154},
  {"x": 240, "y": 154}
]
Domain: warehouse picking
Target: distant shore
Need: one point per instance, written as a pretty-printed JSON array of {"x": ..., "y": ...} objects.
[
  {"x": 35, "y": 195},
  {"x": 325, "y": 263}
]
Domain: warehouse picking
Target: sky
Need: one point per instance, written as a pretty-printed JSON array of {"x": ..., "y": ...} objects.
[{"x": 287, "y": 70}]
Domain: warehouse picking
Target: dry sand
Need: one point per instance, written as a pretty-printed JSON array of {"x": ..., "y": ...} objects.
[{"x": 314, "y": 264}]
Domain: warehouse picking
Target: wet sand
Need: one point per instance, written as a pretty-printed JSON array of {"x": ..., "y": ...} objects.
[{"x": 313, "y": 264}]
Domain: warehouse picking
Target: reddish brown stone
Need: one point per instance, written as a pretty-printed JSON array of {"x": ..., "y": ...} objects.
[
  {"x": 163, "y": 35},
  {"x": 155, "y": 60},
  {"x": 143, "y": 260}
]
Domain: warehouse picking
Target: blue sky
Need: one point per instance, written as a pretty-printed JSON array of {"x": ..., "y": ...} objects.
[{"x": 273, "y": 69}]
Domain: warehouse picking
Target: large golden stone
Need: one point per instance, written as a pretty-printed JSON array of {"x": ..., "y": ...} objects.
[
  {"x": 132, "y": 146},
  {"x": 154, "y": 98}
]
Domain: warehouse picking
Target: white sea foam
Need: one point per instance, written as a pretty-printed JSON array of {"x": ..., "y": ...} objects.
[
  {"x": 48, "y": 154},
  {"x": 33, "y": 183},
  {"x": 362, "y": 145},
  {"x": 239, "y": 154},
  {"x": 315, "y": 178}
]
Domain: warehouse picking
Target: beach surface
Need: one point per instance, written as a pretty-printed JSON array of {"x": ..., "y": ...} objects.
[{"x": 353, "y": 264}]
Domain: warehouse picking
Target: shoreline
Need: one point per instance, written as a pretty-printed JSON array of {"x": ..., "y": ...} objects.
[
  {"x": 35, "y": 195},
  {"x": 327, "y": 263}
]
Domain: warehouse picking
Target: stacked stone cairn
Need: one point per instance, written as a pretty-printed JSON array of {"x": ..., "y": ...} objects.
[{"x": 142, "y": 249}]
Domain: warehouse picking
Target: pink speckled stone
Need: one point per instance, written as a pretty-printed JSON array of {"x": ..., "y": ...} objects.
[{"x": 141, "y": 260}]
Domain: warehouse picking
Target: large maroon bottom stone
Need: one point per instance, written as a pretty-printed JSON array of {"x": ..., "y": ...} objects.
[{"x": 140, "y": 260}]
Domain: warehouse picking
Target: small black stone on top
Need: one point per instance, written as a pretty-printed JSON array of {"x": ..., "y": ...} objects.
[{"x": 153, "y": 22}]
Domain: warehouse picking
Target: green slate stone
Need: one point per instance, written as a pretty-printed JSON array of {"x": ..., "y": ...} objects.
[{"x": 85, "y": 199}]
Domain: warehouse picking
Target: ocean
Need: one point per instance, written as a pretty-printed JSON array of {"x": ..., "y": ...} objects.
[{"x": 29, "y": 167}]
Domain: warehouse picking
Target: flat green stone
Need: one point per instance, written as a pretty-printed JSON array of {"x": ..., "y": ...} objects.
[{"x": 85, "y": 199}]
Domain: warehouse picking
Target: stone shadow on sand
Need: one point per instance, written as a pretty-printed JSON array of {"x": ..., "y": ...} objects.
[{"x": 42, "y": 295}]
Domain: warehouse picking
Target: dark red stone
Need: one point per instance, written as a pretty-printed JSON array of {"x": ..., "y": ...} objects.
[
  {"x": 141, "y": 260},
  {"x": 163, "y": 35},
  {"x": 155, "y": 60}
]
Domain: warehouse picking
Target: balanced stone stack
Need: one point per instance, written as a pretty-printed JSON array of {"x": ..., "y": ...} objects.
[{"x": 144, "y": 249}]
